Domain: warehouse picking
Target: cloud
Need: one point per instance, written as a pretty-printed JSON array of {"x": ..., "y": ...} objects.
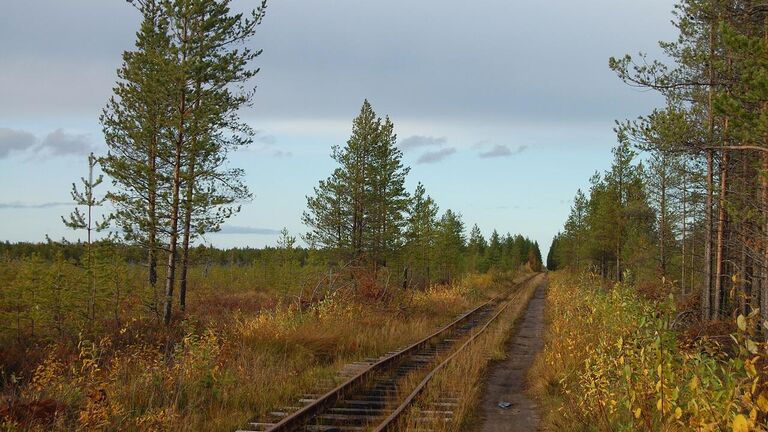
[
  {"x": 500, "y": 150},
  {"x": 265, "y": 143},
  {"x": 264, "y": 138},
  {"x": 435, "y": 156},
  {"x": 12, "y": 140},
  {"x": 21, "y": 205},
  {"x": 419, "y": 141},
  {"x": 60, "y": 143},
  {"x": 233, "y": 229}
]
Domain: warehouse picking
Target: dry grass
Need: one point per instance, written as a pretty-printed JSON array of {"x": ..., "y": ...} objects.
[
  {"x": 462, "y": 378},
  {"x": 612, "y": 360},
  {"x": 238, "y": 354}
]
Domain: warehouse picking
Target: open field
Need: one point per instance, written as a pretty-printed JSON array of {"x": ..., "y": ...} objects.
[{"x": 239, "y": 353}]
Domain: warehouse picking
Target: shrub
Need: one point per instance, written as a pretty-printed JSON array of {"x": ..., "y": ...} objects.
[{"x": 612, "y": 362}]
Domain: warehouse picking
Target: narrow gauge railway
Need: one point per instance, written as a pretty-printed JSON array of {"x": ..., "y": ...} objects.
[{"x": 377, "y": 394}]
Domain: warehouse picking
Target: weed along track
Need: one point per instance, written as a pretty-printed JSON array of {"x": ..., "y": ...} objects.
[{"x": 379, "y": 391}]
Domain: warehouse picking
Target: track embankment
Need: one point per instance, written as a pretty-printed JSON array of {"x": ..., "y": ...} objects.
[{"x": 383, "y": 390}]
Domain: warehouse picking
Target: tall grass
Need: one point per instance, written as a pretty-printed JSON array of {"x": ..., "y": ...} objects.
[
  {"x": 613, "y": 362},
  {"x": 239, "y": 353},
  {"x": 462, "y": 377}
]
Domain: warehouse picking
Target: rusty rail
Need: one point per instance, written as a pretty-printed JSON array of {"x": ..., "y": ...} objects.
[
  {"x": 391, "y": 421},
  {"x": 303, "y": 416}
]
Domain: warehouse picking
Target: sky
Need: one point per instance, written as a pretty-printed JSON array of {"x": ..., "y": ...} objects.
[{"x": 503, "y": 108}]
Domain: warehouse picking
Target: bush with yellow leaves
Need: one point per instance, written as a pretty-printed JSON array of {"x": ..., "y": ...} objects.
[{"x": 612, "y": 362}]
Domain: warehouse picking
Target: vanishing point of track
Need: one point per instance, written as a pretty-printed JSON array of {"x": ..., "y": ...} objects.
[{"x": 372, "y": 399}]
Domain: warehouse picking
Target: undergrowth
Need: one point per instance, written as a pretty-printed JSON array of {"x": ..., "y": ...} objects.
[
  {"x": 612, "y": 362},
  {"x": 220, "y": 373}
]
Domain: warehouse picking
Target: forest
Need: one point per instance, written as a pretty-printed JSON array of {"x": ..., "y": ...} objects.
[
  {"x": 687, "y": 188},
  {"x": 677, "y": 227}
]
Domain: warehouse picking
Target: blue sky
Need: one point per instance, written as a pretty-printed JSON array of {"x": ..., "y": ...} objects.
[{"x": 504, "y": 108}]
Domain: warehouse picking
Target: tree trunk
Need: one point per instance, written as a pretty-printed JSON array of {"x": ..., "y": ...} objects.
[
  {"x": 175, "y": 192},
  {"x": 706, "y": 292},
  {"x": 185, "y": 246},
  {"x": 685, "y": 228},
  {"x": 764, "y": 264},
  {"x": 663, "y": 226},
  {"x": 721, "y": 217},
  {"x": 152, "y": 225},
  {"x": 188, "y": 207},
  {"x": 174, "y": 232}
]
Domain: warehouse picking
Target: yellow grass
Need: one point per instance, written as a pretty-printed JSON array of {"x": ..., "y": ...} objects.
[
  {"x": 612, "y": 362},
  {"x": 244, "y": 363},
  {"x": 462, "y": 378}
]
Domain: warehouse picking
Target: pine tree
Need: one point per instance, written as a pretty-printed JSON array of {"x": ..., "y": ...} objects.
[
  {"x": 553, "y": 263},
  {"x": 389, "y": 199},
  {"x": 136, "y": 125},
  {"x": 420, "y": 235},
  {"x": 171, "y": 124},
  {"x": 86, "y": 221},
  {"x": 359, "y": 211},
  {"x": 450, "y": 243},
  {"x": 534, "y": 257},
  {"x": 218, "y": 66},
  {"x": 494, "y": 251},
  {"x": 476, "y": 248}
]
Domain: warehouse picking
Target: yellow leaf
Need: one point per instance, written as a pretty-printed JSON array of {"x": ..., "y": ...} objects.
[
  {"x": 750, "y": 367},
  {"x": 658, "y": 404},
  {"x": 751, "y": 346},
  {"x": 638, "y": 411},
  {"x": 694, "y": 383},
  {"x": 762, "y": 402},
  {"x": 742, "y": 323},
  {"x": 740, "y": 424},
  {"x": 678, "y": 413}
]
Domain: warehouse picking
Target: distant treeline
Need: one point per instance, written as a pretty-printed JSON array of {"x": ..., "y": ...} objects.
[{"x": 132, "y": 254}]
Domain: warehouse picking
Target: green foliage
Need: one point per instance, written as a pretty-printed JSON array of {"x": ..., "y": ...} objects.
[
  {"x": 612, "y": 229},
  {"x": 450, "y": 245},
  {"x": 420, "y": 237},
  {"x": 359, "y": 211}
]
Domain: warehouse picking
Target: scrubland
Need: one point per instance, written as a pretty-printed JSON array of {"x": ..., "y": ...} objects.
[
  {"x": 243, "y": 348},
  {"x": 616, "y": 359}
]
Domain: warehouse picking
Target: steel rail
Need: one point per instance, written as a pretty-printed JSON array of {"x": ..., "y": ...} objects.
[
  {"x": 301, "y": 417},
  {"x": 390, "y": 421}
]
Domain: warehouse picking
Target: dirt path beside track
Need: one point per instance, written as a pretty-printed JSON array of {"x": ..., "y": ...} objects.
[{"x": 506, "y": 379}]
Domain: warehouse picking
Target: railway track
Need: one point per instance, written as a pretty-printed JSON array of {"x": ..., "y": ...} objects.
[{"x": 380, "y": 390}]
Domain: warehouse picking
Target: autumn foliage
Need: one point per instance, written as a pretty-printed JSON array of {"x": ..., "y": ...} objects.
[{"x": 613, "y": 360}]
